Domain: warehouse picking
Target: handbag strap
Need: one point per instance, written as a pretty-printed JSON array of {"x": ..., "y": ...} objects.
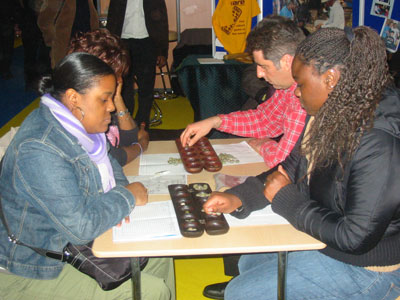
[{"x": 64, "y": 257}]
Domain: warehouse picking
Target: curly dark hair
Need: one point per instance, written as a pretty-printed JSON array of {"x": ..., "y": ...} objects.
[
  {"x": 106, "y": 46},
  {"x": 275, "y": 36},
  {"x": 360, "y": 56}
]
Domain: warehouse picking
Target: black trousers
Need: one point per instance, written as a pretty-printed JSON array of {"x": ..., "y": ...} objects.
[
  {"x": 6, "y": 44},
  {"x": 36, "y": 53},
  {"x": 143, "y": 72},
  {"x": 231, "y": 265}
]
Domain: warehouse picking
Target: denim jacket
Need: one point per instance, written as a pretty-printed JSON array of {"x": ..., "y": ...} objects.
[{"x": 51, "y": 193}]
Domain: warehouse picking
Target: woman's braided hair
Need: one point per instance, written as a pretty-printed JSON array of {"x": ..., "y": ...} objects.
[{"x": 360, "y": 56}]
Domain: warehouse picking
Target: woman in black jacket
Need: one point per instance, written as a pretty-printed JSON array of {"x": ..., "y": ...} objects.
[{"x": 340, "y": 184}]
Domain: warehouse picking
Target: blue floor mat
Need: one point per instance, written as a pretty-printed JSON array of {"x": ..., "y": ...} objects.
[{"x": 14, "y": 98}]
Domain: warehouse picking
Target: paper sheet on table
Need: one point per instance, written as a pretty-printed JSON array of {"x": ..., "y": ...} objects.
[
  {"x": 155, "y": 220},
  {"x": 242, "y": 151},
  {"x": 150, "y": 164},
  {"x": 263, "y": 216},
  {"x": 158, "y": 185}
]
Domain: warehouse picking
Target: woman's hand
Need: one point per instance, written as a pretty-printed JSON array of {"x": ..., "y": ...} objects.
[
  {"x": 139, "y": 191},
  {"x": 125, "y": 122},
  {"x": 221, "y": 203},
  {"x": 143, "y": 137},
  {"x": 118, "y": 100},
  {"x": 274, "y": 182}
]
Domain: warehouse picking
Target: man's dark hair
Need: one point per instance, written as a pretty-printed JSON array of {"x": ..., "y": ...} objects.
[{"x": 275, "y": 36}]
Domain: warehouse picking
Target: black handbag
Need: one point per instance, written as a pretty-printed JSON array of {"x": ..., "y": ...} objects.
[{"x": 109, "y": 273}]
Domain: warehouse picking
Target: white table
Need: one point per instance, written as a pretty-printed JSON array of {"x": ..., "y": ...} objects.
[{"x": 246, "y": 239}]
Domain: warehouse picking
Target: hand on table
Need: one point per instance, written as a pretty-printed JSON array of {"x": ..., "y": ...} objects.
[
  {"x": 274, "y": 182},
  {"x": 197, "y": 130},
  {"x": 139, "y": 191},
  {"x": 257, "y": 143},
  {"x": 221, "y": 203},
  {"x": 143, "y": 137},
  {"x": 127, "y": 220}
]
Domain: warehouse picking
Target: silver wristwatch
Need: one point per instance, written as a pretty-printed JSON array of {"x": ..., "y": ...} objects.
[{"x": 122, "y": 113}]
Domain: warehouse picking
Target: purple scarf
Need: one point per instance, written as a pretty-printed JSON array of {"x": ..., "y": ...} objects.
[{"x": 94, "y": 144}]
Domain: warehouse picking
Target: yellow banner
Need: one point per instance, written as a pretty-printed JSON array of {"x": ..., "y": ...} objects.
[{"x": 232, "y": 22}]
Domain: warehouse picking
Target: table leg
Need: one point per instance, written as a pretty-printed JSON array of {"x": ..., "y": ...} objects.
[
  {"x": 282, "y": 264},
  {"x": 135, "y": 278}
]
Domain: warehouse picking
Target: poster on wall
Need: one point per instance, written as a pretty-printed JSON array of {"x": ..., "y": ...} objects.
[
  {"x": 382, "y": 8},
  {"x": 391, "y": 34}
]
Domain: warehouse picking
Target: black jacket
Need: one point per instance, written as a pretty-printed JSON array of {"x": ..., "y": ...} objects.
[
  {"x": 356, "y": 214},
  {"x": 155, "y": 14}
]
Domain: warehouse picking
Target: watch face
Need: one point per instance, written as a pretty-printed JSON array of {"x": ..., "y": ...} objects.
[{"x": 122, "y": 113}]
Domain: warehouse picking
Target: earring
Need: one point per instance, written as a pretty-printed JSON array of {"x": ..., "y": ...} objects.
[{"x": 82, "y": 113}]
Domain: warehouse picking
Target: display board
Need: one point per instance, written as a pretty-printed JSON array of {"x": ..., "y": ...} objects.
[{"x": 384, "y": 17}]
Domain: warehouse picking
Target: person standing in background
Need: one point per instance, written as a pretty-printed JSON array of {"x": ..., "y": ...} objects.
[
  {"x": 59, "y": 20},
  {"x": 143, "y": 27},
  {"x": 7, "y": 22},
  {"x": 336, "y": 15},
  {"x": 288, "y": 10},
  {"x": 36, "y": 54}
]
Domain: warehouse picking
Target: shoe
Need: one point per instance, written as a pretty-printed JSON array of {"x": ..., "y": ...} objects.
[{"x": 215, "y": 291}]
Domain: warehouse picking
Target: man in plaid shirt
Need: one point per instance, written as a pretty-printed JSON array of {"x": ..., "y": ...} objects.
[{"x": 273, "y": 43}]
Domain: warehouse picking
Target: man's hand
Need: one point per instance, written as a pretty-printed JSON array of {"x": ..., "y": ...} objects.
[
  {"x": 197, "y": 130},
  {"x": 221, "y": 203},
  {"x": 274, "y": 182},
  {"x": 161, "y": 61},
  {"x": 257, "y": 143}
]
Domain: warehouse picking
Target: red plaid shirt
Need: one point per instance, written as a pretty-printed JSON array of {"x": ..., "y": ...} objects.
[{"x": 281, "y": 114}]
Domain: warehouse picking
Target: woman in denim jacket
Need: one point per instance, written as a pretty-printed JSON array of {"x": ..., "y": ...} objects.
[{"x": 58, "y": 185}]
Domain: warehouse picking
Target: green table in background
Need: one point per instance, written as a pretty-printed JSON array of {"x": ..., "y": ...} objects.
[{"x": 212, "y": 88}]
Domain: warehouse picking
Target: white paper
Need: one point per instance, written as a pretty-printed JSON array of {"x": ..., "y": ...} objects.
[
  {"x": 158, "y": 185},
  {"x": 263, "y": 216},
  {"x": 155, "y": 220},
  {"x": 151, "y": 164},
  {"x": 242, "y": 151},
  {"x": 5, "y": 140},
  {"x": 209, "y": 60}
]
